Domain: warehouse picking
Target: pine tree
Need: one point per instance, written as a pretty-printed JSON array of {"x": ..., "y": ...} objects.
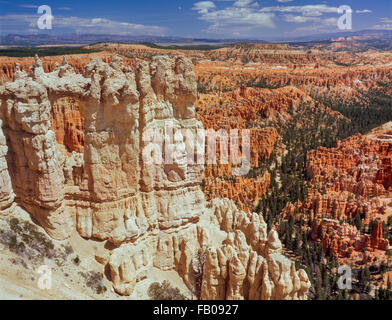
[{"x": 358, "y": 222}]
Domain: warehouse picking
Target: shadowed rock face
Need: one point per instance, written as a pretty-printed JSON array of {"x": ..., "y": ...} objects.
[
  {"x": 68, "y": 125},
  {"x": 155, "y": 214}
]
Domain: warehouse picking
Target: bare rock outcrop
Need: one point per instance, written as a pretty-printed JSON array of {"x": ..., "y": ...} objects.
[
  {"x": 250, "y": 263},
  {"x": 119, "y": 106},
  {"x": 7, "y": 195},
  {"x": 343, "y": 240},
  {"x": 153, "y": 212},
  {"x": 36, "y": 174}
]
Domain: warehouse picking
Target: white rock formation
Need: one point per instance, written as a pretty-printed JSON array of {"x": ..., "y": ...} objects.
[{"x": 153, "y": 212}]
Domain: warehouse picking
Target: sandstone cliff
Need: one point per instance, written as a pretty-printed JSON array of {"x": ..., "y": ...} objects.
[{"x": 153, "y": 214}]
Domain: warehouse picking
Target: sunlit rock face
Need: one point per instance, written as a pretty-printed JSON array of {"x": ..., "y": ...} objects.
[
  {"x": 118, "y": 105},
  {"x": 177, "y": 170},
  {"x": 153, "y": 212},
  {"x": 344, "y": 240}
]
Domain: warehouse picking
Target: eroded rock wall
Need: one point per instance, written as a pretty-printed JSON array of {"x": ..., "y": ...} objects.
[{"x": 153, "y": 213}]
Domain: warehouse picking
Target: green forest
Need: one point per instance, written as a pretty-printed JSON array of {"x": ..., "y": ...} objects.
[{"x": 21, "y": 52}]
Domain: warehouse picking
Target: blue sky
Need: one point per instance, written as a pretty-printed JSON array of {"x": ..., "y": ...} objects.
[{"x": 261, "y": 19}]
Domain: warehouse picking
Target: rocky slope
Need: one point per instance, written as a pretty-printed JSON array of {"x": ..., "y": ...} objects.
[{"x": 151, "y": 215}]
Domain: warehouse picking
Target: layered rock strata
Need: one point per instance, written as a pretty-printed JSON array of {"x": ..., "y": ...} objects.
[{"x": 153, "y": 212}]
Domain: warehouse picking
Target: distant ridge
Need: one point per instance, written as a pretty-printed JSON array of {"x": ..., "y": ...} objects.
[
  {"x": 85, "y": 39},
  {"x": 46, "y": 39},
  {"x": 327, "y": 36}
]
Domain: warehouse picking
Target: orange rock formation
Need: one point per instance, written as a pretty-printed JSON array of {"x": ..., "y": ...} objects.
[
  {"x": 78, "y": 62},
  {"x": 68, "y": 124},
  {"x": 343, "y": 239}
]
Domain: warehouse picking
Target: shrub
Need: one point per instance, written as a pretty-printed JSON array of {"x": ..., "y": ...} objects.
[
  {"x": 164, "y": 291},
  {"x": 95, "y": 281},
  {"x": 76, "y": 260},
  {"x": 24, "y": 239}
]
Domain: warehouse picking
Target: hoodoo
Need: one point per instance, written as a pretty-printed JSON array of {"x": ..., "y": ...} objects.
[{"x": 154, "y": 215}]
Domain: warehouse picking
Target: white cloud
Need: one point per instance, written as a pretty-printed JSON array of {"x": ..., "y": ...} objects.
[
  {"x": 64, "y": 8},
  {"x": 363, "y": 11},
  {"x": 240, "y": 18},
  {"x": 386, "y": 20},
  {"x": 203, "y": 6},
  {"x": 323, "y": 25},
  {"x": 28, "y": 6},
  {"x": 386, "y": 24},
  {"x": 242, "y": 3},
  {"x": 330, "y": 22},
  {"x": 307, "y": 10},
  {"x": 383, "y": 27},
  {"x": 299, "y": 19},
  {"x": 19, "y": 23},
  {"x": 246, "y": 17}
]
